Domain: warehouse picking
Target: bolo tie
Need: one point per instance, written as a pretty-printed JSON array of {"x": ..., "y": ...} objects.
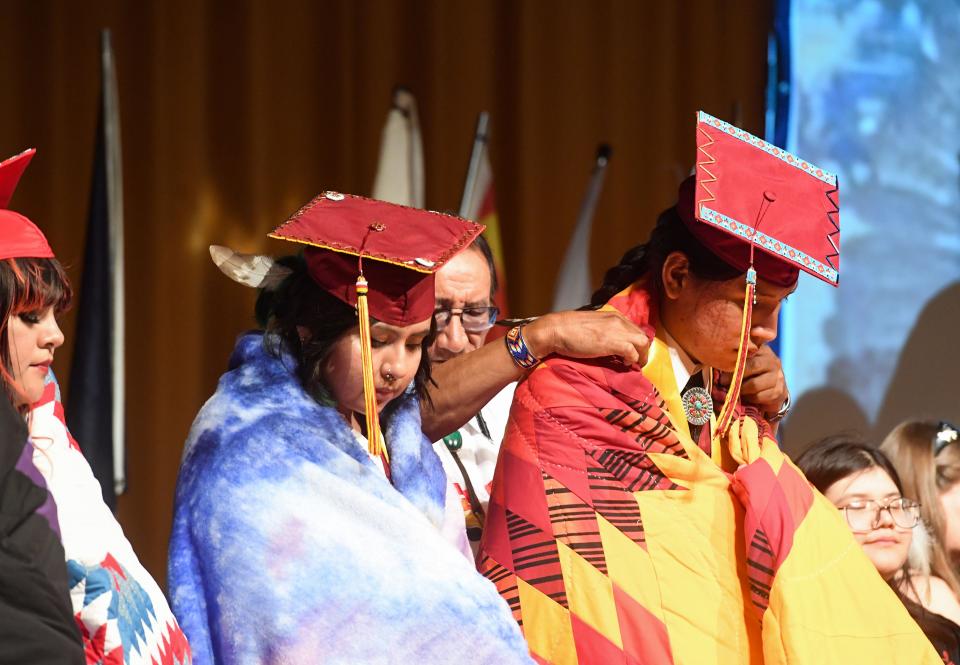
[{"x": 698, "y": 407}]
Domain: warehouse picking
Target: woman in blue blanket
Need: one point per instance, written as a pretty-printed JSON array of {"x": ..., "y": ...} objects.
[{"x": 303, "y": 531}]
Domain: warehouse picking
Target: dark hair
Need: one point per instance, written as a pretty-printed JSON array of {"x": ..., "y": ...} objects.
[
  {"x": 840, "y": 455},
  {"x": 481, "y": 245},
  {"x": 28, "y": 285},
  {"x": 927, "y": 473},
  {"x": 668, "y": 236},
  {"x": 300, "y": 302}
]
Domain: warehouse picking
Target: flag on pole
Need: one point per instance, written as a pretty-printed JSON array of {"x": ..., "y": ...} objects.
[
  {"x": 399, "y": 176},
  {"x": 574, "y": 285},
  {"x": 96, "y": 410},
  {"x": 479, "y": 204}
]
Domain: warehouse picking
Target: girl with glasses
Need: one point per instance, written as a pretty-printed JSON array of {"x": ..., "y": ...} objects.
[{"x": 864, "y": 485}]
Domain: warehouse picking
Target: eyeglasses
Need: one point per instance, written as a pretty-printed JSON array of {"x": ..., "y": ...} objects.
[
  {"x": 946, "y": 434},
  {"x": 473, "y": 319},
  {"x": 863, "y": 516}
]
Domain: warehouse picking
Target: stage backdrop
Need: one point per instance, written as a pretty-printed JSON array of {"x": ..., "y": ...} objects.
[
  {"x": 234, "y": 114},
  {"x": 876, "y": 99}
]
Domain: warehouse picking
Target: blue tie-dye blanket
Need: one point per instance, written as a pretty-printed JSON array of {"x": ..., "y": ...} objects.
[{"x": 289, "y": 545}]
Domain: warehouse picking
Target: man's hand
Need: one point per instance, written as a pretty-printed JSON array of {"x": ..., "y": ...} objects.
[
  {"x": 588, "y": 334},
  {"x": 763, "y": 384},
  {"x": 465, "y": 383}
]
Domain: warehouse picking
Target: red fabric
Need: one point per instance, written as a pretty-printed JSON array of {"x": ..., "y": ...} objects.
[
  {"x": 10, "y": 171},
  {"x": 19, "y": 237},
  {"x": 396, "y": 295},
  {"x": 593, "y": 647},
  {"x": 732, "y": 249},
  {"x": 645, "y": 638},
  {"x": 417, "y": 239},
  {"x": 775, "y": 503},
  {"x": 402, "y": 248},
  {"x": 576, "y": 447},
  {"x": 749, "y": 181}
]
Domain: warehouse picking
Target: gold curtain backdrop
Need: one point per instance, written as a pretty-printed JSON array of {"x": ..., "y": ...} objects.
[{"x": 235, "y": 113}]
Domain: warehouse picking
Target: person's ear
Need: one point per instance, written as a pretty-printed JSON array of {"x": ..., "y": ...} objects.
[{"x": 675, "y": 274}]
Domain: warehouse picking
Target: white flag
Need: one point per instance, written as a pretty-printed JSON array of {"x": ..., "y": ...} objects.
[
  {"x": 399, "y": 176},
  {"x": 574, "y": 286}
]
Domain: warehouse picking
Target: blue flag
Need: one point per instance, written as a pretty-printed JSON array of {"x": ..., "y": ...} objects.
[{"x": 95, "y": 411}]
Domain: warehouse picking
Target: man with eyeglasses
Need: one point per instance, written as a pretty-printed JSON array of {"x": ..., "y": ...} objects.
[{"x": 473, "y": 394}]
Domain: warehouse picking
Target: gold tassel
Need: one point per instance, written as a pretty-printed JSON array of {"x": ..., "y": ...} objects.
[
  {"x": 374, "y": 441},
  {"x": 733, "y": 391}
]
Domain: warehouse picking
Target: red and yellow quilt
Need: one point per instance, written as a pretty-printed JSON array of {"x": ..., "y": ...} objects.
[{"x": 616, "y": 539}]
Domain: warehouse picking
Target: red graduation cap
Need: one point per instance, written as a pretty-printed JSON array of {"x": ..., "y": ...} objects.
[
  {"x": 749, "y": 194},
  {"x": 764, "y": 211},
  {"x": 401, "y": 249},
  {"x": 380, "y": 257},
  {"x": 19, "y": 237}
]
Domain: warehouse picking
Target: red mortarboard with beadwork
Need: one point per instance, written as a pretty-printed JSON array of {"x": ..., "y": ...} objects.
[
  {"x": 751, "y": 194},
  {"x": 763, "y": 210},
  {"x": 19, "y": 237},
  {"x": 380, "y": 257},
  {"x": 401, "y": 247}
]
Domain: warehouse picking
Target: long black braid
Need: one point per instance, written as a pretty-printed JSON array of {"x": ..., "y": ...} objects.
[{"x": 668, "y": 236}]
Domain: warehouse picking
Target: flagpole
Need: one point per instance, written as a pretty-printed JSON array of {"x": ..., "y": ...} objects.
[
  {"x": 573, "y": 287},
  {"x": 468, "y": 202},
  {"x": 114, "y": 168}
]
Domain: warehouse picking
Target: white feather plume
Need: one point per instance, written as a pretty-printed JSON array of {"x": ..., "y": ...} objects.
[{"x": 254, "y": 270}]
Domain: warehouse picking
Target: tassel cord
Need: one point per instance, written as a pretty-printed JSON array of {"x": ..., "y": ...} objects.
[{"x": 375, "y": 442}]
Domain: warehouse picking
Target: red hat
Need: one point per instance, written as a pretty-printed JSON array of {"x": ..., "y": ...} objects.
[
  {"x": 19, "y": 237},
  {"x": 401, "y": 249},
  {"x": 747, "y": 192}
]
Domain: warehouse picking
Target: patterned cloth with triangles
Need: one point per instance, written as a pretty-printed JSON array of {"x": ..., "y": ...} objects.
[
  {"x": 616, "y": 539},
  {"x": 121, "y": 612}
]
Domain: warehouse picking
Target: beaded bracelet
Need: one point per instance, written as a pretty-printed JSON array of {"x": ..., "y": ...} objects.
[{"x": 517, "y": 348}]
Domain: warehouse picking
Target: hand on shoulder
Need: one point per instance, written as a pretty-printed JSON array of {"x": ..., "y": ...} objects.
[{"x": 588, "y": 334}]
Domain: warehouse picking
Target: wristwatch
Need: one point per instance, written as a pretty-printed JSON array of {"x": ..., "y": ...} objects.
[{"x": 779, "y": 415}]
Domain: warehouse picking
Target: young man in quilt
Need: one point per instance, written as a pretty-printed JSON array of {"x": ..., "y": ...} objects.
[{"x": 648, "y": 516}]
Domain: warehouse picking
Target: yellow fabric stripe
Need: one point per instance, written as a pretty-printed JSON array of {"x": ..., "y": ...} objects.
[
  {"x": 866, "y": 623},
  {"x": 697, "y": 558},
  {"x": 659, "y": 370},
  {"x": 590, "y": 594},
  {"x": 552, "y": 639},
  {"x": 630, "y": 567}
]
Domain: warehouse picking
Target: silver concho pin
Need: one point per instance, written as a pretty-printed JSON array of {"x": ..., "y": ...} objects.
[{"x": 697, "y": 405}]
